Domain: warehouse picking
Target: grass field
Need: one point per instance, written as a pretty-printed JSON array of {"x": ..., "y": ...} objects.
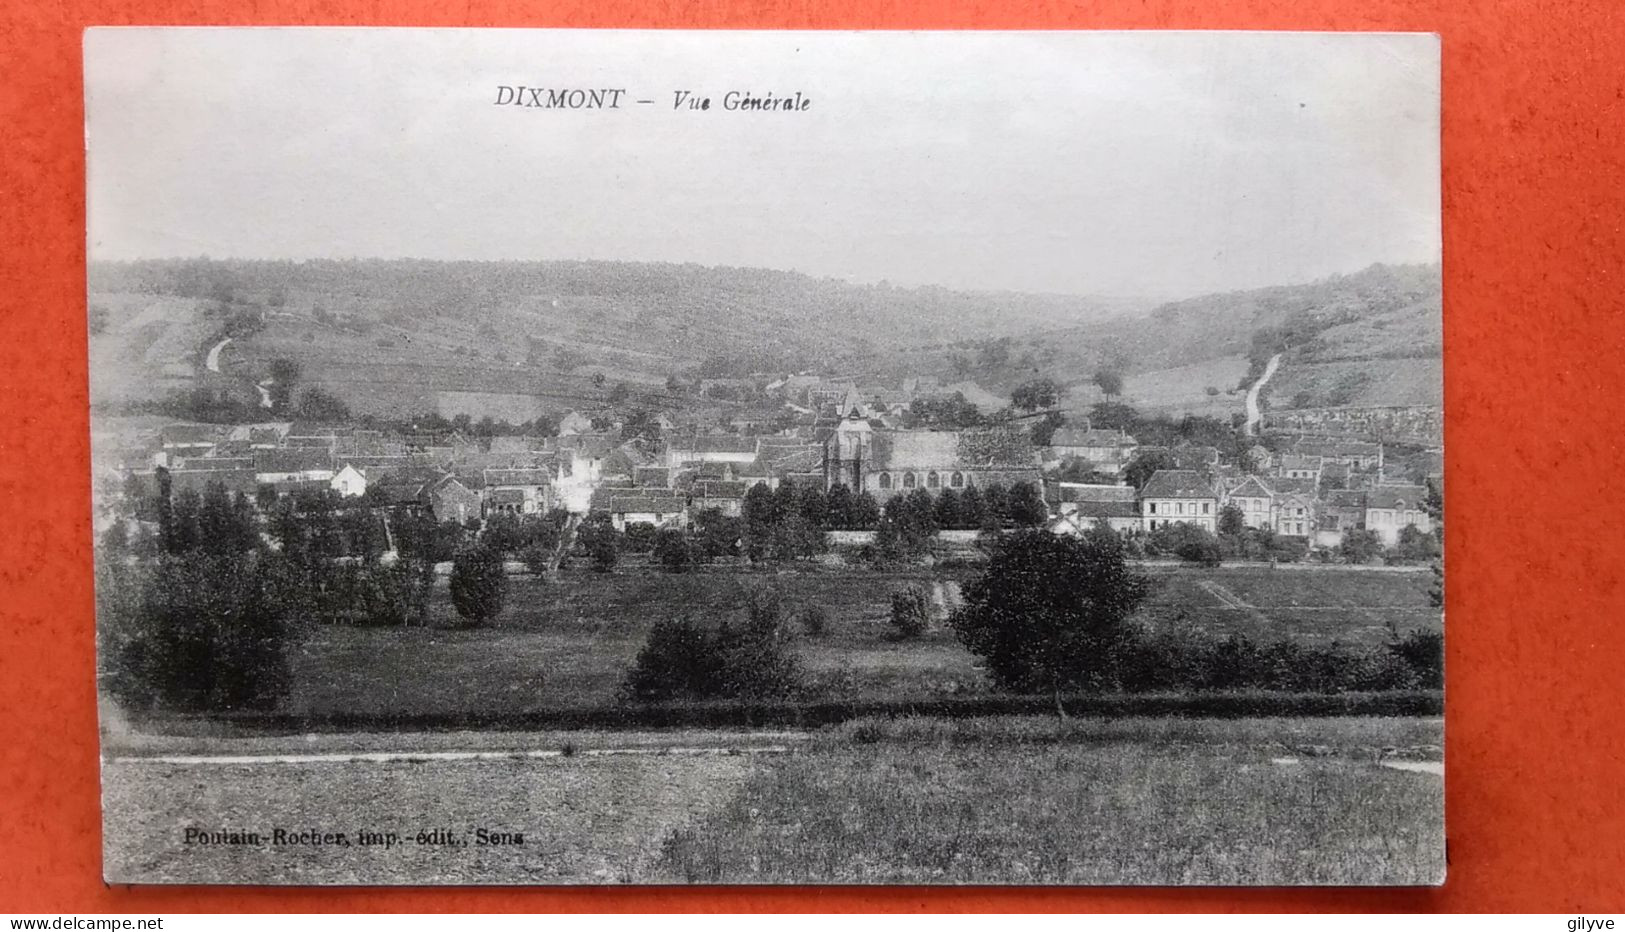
[
  {"x": 569, "y": 643},
  {"x": 1314, "y": 606},
  {"x": 1014, "y": 800}
]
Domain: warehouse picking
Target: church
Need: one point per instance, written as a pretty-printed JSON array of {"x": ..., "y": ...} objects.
[{"x": 863, "y": 455}]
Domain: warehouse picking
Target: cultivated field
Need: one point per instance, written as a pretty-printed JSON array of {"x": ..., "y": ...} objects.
[
  {"x": 568, "y": 643},
  {"x": 1010, "y": 800},
  {"x": 1315, "y": 606}
]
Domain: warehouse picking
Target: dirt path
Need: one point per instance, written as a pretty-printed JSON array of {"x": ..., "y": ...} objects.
[
  {"x": 1254, "y": 415},
  {"x": 212, "y": 363},
  {"x": 419, "y": 757}
]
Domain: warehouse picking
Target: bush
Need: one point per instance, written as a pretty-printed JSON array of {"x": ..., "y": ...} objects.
[
  {"x": 814, "y": 621},
  {"x": 910, "y": 612},
  {"x": 478, "y": 583},
  {"x": 672, "y": 550},
  {"x": 601, "y": 542},
  {"x": 537, "y": 558},
  {"x": 1188, "y": 542},
  {"x": 1423, "y": 652},
  {"x": 1359, "y": 546},
  {"x": 752, "y": 660},
  {"x": 639, "y": 537}
]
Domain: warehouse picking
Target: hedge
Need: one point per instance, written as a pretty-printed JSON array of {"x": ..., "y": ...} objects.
[{"x": 1249, "y": 704}]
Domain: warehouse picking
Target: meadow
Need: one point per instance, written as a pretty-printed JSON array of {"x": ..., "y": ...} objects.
[
  {"x": 567, "y": 643},
  {"x": 1003, "y": 800}
]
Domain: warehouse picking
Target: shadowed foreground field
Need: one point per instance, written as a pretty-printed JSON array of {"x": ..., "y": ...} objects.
[{"x": 1017, "y": 800}]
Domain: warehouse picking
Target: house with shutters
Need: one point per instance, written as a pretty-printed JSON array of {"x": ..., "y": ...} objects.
[
  {"x": 1299, "y": 466},
  {"x": 1179, "y": 496},
  {"x": 1255, "y": 500},
  {"x": 1390, "y": 509}
]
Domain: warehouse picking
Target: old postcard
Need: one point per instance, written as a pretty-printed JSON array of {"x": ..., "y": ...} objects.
[{"x": 561, "y": 457}]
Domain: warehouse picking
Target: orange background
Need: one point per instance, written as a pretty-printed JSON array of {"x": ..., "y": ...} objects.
[{"x": 1534, "y": 198}]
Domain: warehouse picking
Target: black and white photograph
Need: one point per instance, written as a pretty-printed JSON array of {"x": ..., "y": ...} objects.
[{"x": 532, "y": 457}]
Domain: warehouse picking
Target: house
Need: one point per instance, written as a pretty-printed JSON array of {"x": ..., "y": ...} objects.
[
  {"x": 641, "y": 506},
  {"x": 1292, "y": 512},
  {"x": 653, "y": 477},
  {"x": 180, "y": 441},
  {"x": 1179, "y": 496},
  {"x": 1340, "y": 510},
  {"x": 887, "y": 462},
  {"x": 450, "y": 500},
  {"x": 349, "y": 481},
  {"x": 1299, "y": 466},
  {"x": 574, "y": 423},
  {"x": 1105, "y": 451},
  {"x": 430, "y": 492},
  {"x": 517, "y": 445},
  {"x": 1195, "y": 456},
  {"x": 689, "y": 449},
  {"x": 234, "y": 481},
  {"x": 1079, "y": 506},
  {"x": 1253, "y": 498},
  {"x": 724, "y": 495},
  {"x": 1355, "y": 454},
  {"x": 294, "y": 464},
  {"x": 1390, "y": 509},
  {"x": 521, "y": 491}
]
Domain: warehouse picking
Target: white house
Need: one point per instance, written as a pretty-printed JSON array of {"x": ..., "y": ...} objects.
[
  {"x": 1179, "y": 496},
  {"x": 349, "y": 481}
]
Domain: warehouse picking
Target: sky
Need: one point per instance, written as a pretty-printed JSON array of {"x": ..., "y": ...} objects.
[{"x": 1130, "y": 164}]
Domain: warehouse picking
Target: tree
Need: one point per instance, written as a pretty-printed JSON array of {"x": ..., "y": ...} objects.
[
  {"x": 198, "y": 632},
  {"x": 752, "y": 660},
  {"x": 502, "y": 533},
  {"x": 910, "y": 612},
  {"x": 1144, "y": 464},
  {"x": 718, "y": 536},
  {"x": 478, "y": 583},
  {"x": 1027, "y": 507},
  {"x": 285, "y": 375},
  {"x": 949, "y": 515},
  {"x": 1359, "y": 546},
  {"x": 838, "y": 508},
  {"x": 1188, "y": 542},
  {"x": 760, "y": 512},
  {"x": 1035, "y": 394},
  {"x": 318, "y": 405},
  {"x": 1232, "y": 522},
  {"x": 1051, "y": 613},
  {"x": 814, "y": 507},
  {"x": 997, "y": 508},
  {"x": 865, "y": 512},
  {"x": 949, "y": 412},
  {"x": 1110, "y": 382},
  {"x": 601, "y": 541},
  {"x": 972, "y": 509},
  {"x": 1415, "y": 546},
  {"x": 1045, "y": 427},
  {"x": 672, "y": 550}
]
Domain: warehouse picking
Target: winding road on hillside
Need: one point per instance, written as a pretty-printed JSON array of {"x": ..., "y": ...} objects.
[
  {"x": 1254, "y": 415},
  {"x": 213, "y": 362}
]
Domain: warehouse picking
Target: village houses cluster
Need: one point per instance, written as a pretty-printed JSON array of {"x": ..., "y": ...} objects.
[{"x": 821, "y": 433}]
